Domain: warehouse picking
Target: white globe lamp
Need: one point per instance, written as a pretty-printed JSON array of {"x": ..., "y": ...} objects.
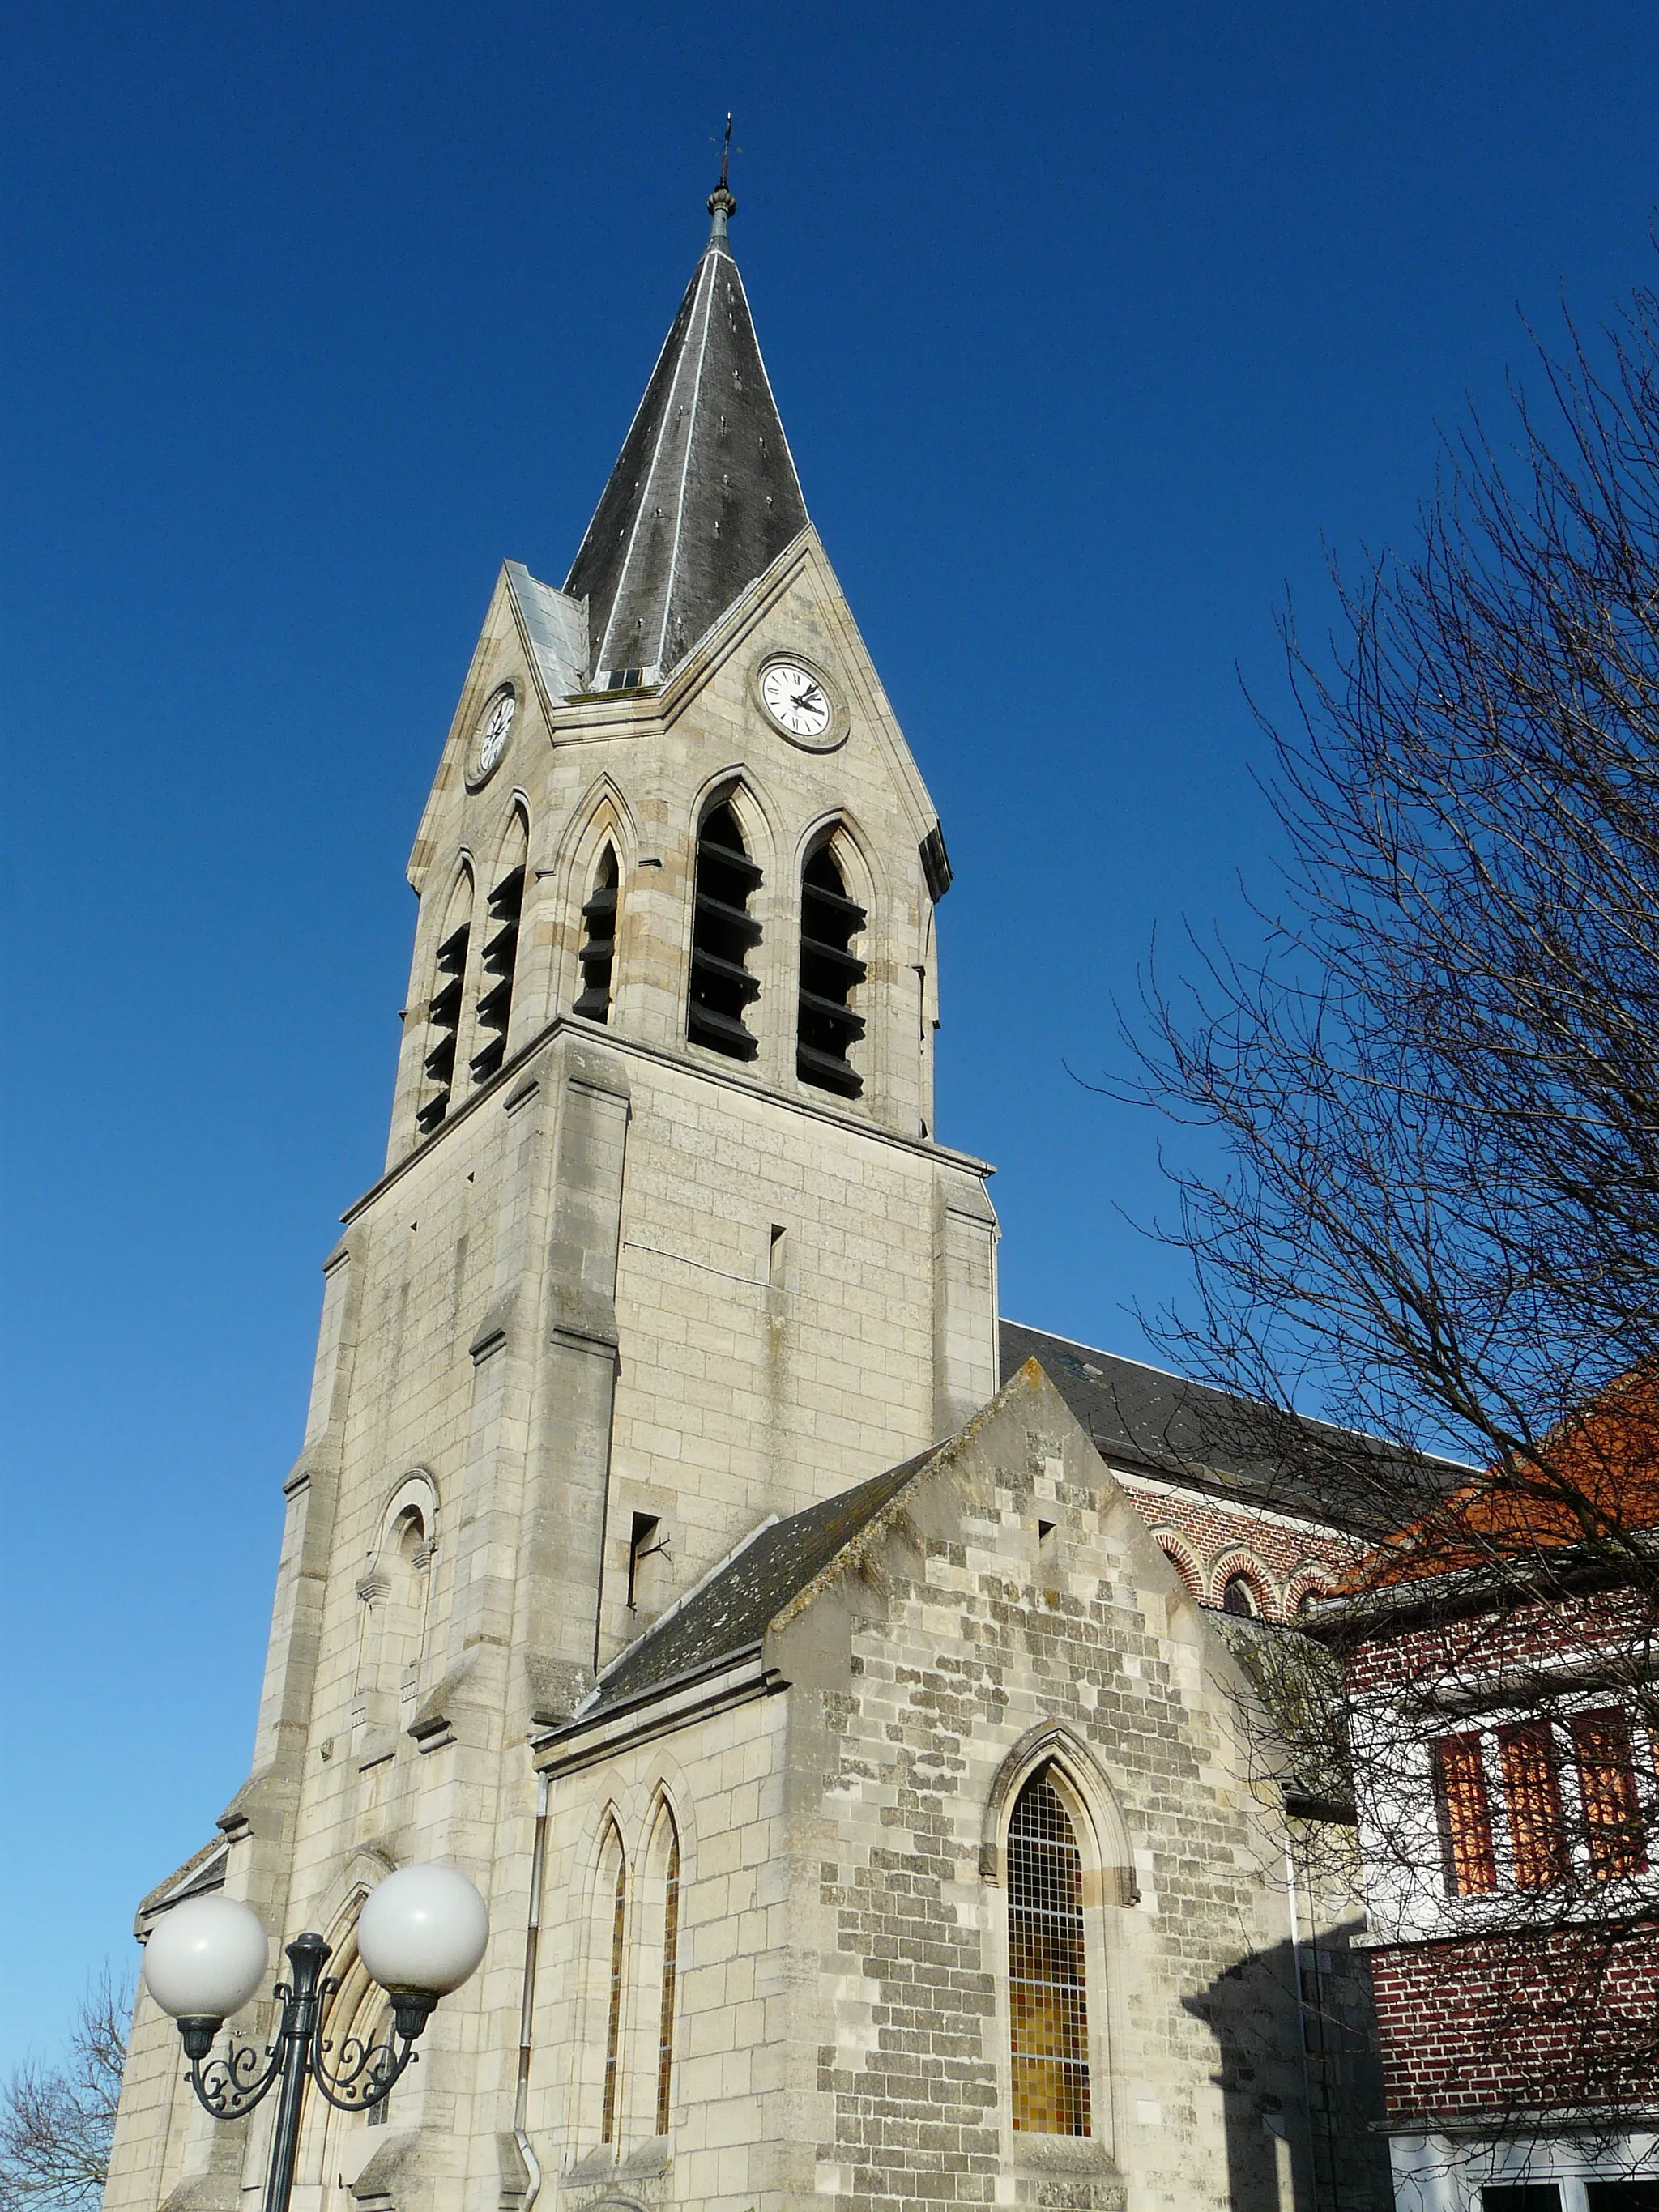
[
  {"x": 422, "y": 1933},
  {"x": 205, "y": 1959}
]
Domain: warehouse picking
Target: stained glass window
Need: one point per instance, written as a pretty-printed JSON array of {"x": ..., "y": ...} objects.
[
  {"x": 1048, "y": 1999},
  {"x": 613, "y": 2017},
  {"x": 671, "y": 1944}
]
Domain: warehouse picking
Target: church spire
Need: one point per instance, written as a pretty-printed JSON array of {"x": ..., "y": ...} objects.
[{"x": 704, "y": 495}]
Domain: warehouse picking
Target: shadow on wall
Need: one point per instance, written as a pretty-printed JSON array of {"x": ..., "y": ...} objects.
[{"x": 1300, "y": 2079}]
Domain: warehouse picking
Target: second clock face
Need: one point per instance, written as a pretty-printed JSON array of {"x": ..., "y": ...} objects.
[
  {"x": 796, "y": 700},
  {"x": 490, "y": 742}
]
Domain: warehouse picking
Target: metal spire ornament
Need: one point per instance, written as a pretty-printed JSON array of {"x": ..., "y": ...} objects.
[{"x": 722, "y": 205}]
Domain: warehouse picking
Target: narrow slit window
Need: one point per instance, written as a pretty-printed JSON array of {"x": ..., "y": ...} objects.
[
  {"x": 443, "y": 1012},
  {"x": 500, "y": 961},
  {"x": 598, "y": 953},
  {"x": 1606, "y": 1789},
  {"x": 671, "y": 1949},
  {"x": 1471, "y": 1866},
  {"x": 614, "y": 2005},
  {"x": 1532, "y": 1798},
  {"x": 1048, "y": 1999},
  {"x": 723, "y": 934},
  {"x": 830, "y": 971},
  {"x": 645, "y": 1543}
]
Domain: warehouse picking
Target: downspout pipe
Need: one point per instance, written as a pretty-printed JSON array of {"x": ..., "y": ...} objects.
[
  {"x": 1301, "y": 2004},
  {"x": 533, "y": 1936}
]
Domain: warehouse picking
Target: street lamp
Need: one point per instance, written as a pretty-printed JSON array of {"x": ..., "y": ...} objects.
[{"x": 420, "y": 1934}]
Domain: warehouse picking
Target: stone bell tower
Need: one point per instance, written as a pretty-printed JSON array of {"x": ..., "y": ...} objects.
[{"x": 665, "y": 1244}]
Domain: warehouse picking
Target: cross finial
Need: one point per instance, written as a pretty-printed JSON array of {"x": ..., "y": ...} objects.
[{"x": 721, "y": 204}]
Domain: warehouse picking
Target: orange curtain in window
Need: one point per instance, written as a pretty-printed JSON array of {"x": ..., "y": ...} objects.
[
  {"x": 1607, "y": 1785},
  {"x": 1465, "y": 1816},
  {"x": 1532, "y": 1793}
]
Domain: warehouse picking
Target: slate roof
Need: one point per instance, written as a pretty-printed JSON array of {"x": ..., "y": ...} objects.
[
  {"x": 704, "y": 495},
  {"x": 729, "y": 1614},
  {"x": 1143, "y": 1419},
  {"x": 557, "y": 631}
]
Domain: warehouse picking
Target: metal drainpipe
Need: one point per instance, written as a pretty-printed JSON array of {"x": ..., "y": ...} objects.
[
  {"x": 532, "y": 1933},
  {"x": 1301, "y": 2008}
]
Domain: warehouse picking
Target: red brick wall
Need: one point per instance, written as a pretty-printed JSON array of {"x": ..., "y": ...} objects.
[
  {"x": 1213, "y": 1532},
  {"x": 1490, "y": 2025},
  {"x": 1495, "y": 1642}
]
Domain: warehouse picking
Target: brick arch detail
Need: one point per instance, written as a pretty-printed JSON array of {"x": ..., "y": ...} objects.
[
  {"x": 1233, "y": 1563},
  {"x": 1183, "y": 1558},
  {"x": 1318, "y": 1579}
]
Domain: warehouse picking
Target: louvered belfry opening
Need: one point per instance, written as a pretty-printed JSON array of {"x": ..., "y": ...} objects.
[
  {"x": 723, "y": 934},
  {"x": 500, "y": 958},
  {"x": 443, "y": 1013},
  {"x": 830, "y": 971},
  {"x": 598, "y": 953}
]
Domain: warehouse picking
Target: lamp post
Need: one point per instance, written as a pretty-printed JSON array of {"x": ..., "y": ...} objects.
[{"x": 420, "y": 1934}]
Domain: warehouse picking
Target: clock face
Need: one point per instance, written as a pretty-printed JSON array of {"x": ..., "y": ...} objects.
[
  {"x": 796, "y": 700},
  {"x": 495, "y": 727}
]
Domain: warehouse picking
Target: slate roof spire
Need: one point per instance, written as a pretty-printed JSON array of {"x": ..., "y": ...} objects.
[{"x": 704, "y": 495}]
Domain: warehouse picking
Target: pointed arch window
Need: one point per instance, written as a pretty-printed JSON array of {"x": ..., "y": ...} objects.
[
  {"x": 670, "y": 1950},
  {"x": 614, "y": 1894},
  {"x": 501, "y": 951},
  {"x": 723, "y": 934},
  {"x": 598, "y": 953},
  {"x": 830, "y": 971},
  {"x": 1048, "y": 1993},
  {"x": 443, "y": 1012}
]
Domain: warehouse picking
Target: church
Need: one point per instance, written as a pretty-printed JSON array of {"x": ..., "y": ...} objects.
[{"x": 848, "y": 1702}]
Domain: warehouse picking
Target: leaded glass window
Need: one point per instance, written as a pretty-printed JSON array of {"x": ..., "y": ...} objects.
[
  {"x": 671, "y": 1944},
  {"x": 1047, "y": 1996},
  {"x": 613, "y": 2008}
]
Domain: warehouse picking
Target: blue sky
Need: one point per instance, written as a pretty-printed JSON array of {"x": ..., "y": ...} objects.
[{"x": 1087, "y": 325}]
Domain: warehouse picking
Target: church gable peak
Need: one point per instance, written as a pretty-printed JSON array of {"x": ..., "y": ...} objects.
[{"x": 704, "y": 495}]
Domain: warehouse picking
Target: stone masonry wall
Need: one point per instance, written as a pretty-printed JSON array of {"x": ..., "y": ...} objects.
[{"x": 976, "y": 1647}]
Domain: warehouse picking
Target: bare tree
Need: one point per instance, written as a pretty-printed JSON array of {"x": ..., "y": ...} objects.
[
  {"x": 1436, "y": 1087},
  {"x": 55, "y": 2122}
]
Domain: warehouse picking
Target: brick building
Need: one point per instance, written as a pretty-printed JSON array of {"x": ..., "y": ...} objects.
[
  {"x": 1496, "y": 1670},
  {"x": 853, "y": 1719}
]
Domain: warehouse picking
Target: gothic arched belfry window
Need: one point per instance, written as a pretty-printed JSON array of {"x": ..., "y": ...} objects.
[
  {"x": 830, "y": 971},
  {"x": 723, "y": 934},
  {"x": 1047, "y": 1975},
  {"x": 597, "y": 955},
  {"x": 500, "y": 950},
  {"x": 443, "y": 1011}
]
